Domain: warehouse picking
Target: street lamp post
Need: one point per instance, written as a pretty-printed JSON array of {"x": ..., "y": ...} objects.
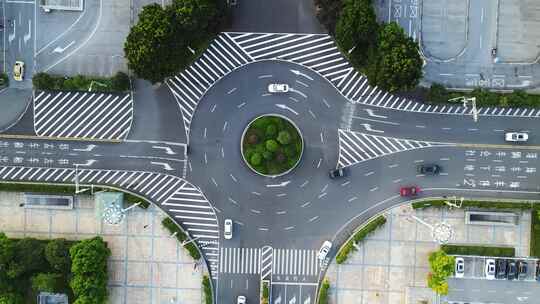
[{"x": 465, "y": 100}]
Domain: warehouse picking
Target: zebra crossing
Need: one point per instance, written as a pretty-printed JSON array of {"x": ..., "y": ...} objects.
[
  {"x": 297, "y": 262},
  {"x": 177, "y": 197},
  {"x": 83, "y": 114},
  {"x": 355, "y": 147},
  {"x": 318, "y": 52}
]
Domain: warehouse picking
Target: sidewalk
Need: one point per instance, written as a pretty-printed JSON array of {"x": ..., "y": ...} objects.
[
  {"x": 392, "y": 264},
  {"x": 146, "y": 265}
]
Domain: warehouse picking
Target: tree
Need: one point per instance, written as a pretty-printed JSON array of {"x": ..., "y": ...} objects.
[
  {"x": 356, "y": 30},
  {"x": 89, "y": 268},
  {"x": 194, "y": 17},
  {"x": 120, "y": 82},
  {"x": 442, "y": 266},
  {"x": 57, "y": 254},
  {"x": 152, "y": 49},
  {"x": 396, "y": 63},
  {"x": 45, "y": 282},
  {"x": 11, "y": 298},
  {"x": 256, "y": 159},
  {"x": 29, "y": 257},
  {"x": 284, "y": 137},
  {"x": 328, "y": 12}
]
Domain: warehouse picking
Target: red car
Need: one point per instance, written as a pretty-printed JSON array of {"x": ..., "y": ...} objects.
[{"x": 409, "y": 191}]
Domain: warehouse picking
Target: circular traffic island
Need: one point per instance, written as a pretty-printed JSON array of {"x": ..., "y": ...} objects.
[{"x": 272, "y": 145}]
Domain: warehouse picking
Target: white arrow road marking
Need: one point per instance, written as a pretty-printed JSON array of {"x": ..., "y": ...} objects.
[
  {"x": 371, "y": 113},
  {"x": 293, "y": 300},
  {"x": 166, "y": 166},
  {"x": 308, "y": 300},
  {"x": 368, "y": 128},
  {"x": 29, "y": 34},
  {"x": 278, "y": 299},
  {"x": 12, "y": 36},
  {"x": 168, "y": 150},
  {"x": 298, "y": 92},
  {"x": 88, "y": 163},
  {"x": 283, "y": 184},
  {"x": 61, "y": 50},
  {"x": 298, "y": 73},
  {"x": 87, "y": 149},
  {"x": 285, "y": 107}
]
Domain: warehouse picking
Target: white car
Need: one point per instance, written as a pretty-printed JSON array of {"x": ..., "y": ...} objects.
[
  {"x": 18, "y": 71},
  {"x": 460, "y": 268},
  {"x": 228, "y": 229},
  {"x": 516, "y": 136},
  {"x": 278, "y": 88},
  {"x": 490, "y": 269},
  {"x": 241, "y": 300},
  {"x": 325, "y": 248}
]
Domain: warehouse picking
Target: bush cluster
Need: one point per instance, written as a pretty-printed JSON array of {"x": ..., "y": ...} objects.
[
  {"x": 479, "y": 250},
  {"x": 265, "y": 296},
  {"x": 171, "y": 226},
  {"x": 478, "y": 204},
  {"x": 28, "y": 266},
  {"x": 207, "y": 290},
  {"x": 442, "y": 266},
  {"x": 518, "y": 98},
  {"x": 535, "y": 233},
  {"x": 118, "y": 83},
  {"x": 4, "y": 82},
  {"x": 272, "y": 145},
  {"x": 359, "y": 236},
  {"x": 323, "y": 292}
]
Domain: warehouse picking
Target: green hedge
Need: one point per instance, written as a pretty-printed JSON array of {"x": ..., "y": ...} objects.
[
  {"x": 323, "y": 292},
  {"x": 118, "y": 83},
  {"x": 478, "y": 204},
  {"x": 4, "y": 80},
  {"x": 207, "y": 289},
  {"x": 359, "y": 236},
  {"x": 479, "y": 250},
  {"x": 518, "y": 98},
  {"x": 170, "y": 225},
  {"x": 535, "y": 234},
  {"x": 265, "y": 297},
  {"x": 133, "y": 199}
]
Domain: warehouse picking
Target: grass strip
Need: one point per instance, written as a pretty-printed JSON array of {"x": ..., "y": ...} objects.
[
  {"x": 479, "y": 250},
  {"x": 207, "y": 289},
  {"x": 478, "y": 204},
  {"x": 359, "y": 236}
]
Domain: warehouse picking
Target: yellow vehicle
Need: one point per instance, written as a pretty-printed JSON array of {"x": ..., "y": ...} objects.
[{"x": 18, "y": 71}]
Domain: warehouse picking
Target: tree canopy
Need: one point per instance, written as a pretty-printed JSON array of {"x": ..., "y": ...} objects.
[
  {"x": 396, "y": 65},
  {"x": 356, "y": 30},
  {"x": 442, "y": 266},
  {"x": 160, "y": 44}
]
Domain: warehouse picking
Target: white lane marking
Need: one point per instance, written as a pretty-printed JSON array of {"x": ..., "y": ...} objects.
[
  {"x": 369, "y": 173},
  {"x": 446, "y": 129},
  {"x": 304, "y": 205},
  {"x": 373, "y": 189},
  {"x": 266, "y": 94},
  {"x": 225, "y": 125},
  {"x": 396, "y": 181},
  {"x": 298, "y": 73},
  {"x": 304, "y": 184},
  {"x": 92, "y": 161},
  {"x": 312, "y": 114},
  {"x": 255, "y": 211},
  {"x": 231, "y": 91},
  {"x": 256, "y": 193},
  {"x": 352, "y": 199},
  {"x": 264, "y": 76},
  {"x": 62, "y": 49},
  {"x": 446, "y": 74},
  {"x": 281, "y": 212},
  {"x": 168, "y": 150},
  {"x": 421, "y": 126},
  {"x": 376, "y": 120},
  {"x": 444, "y": 158},
  {"x": 298, "y": 92},
  {"x": 472, "y": 129},
  {"x": 288, "y": 228},
  {"x": 418, "y": 161},
  {"x": 282, "y": 184},
  {"x": 241, "y": 105},
  {"x": 304, "y": 84},
  {"x": 371, "y": 113},
  {"x": 166, "y": 166},
  {"x": 319, "y": 164},
  {"x": 321, "y": 195},
  {"x": 393, "y": 166},
  {"x": 369, "y": 129},
  {"x": 204, "y": 135},
  {"x": 214, "y": 181},
  {"x": 345, "y": 183},
  {"x": 326, "y": 103},
  {"x": 322, "y": 138},
  {"x": 213, "y": 108},
  {"x": 87, "y": 149},
  {"x": 263, "y": 229},
  {"x": 293, "y": 99},
  {"x": 313, "y": 218},
  {"x": 233, "y": 178},
  {"x": 233, "y": 201},
  {"x": 281, "y": 194},
  {"x": 285, "y": 107}
]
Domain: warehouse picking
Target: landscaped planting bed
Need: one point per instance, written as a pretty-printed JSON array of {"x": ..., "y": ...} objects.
[
  {"x": 479, "y": 250},
  {"x": 272, "y": 145}
]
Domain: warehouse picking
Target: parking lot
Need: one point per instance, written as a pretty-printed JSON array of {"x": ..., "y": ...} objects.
[{"x": 475, "y": 267}]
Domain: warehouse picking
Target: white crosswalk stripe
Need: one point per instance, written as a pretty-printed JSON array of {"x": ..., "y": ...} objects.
[
  {"x": 180, "y": 199},
  {"x": 267, "y": 261},
  {"x": 356, "y": 147},
  {"x": 300, "y": 262},
  {"x": 83, "y": 114}
]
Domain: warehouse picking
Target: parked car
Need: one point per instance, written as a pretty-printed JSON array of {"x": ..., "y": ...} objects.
[
  {"x": 511, "y": 271},
  {"x": 459, "y": 268},
  {"x": 500, "y": 269},
  {"x": 228, "y": 229},
  {"x": 278, "y": 88},
  {"x": 537, "y": 271},
  {"x": 18, "y": 71},
  {"x": 429, "y": 169},
  {"x": 516, "y": 136},
  {"x": 325, "y": 248},
  {"x": 522, "y": 270},
  {"x": 336, "y": 173},
  {"x": 241, "y": 300},
  {"x": 409, "y": 191},
  {"x": 490, "y": 269}
]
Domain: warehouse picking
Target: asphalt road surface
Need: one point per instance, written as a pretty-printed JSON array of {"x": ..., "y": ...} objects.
[{"x": 293, "y": 214}]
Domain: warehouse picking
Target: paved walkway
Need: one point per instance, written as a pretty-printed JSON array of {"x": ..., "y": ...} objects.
[
  {"x": 146, "y": 265},
  {"x": 392, "y": 265}
]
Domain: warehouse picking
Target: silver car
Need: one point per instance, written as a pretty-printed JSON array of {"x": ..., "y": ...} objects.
[
  {"x": 278, "y": 88},
  {"x": 490, "y": 269},
  {"x": 325, "y": 248},
  {"x": 516, "y": 136}
]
